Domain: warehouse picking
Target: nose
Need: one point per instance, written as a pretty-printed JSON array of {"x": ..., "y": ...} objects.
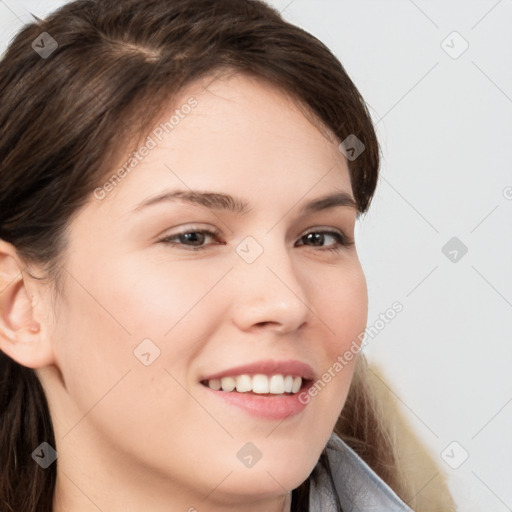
[{"x": 270, "y": 293}]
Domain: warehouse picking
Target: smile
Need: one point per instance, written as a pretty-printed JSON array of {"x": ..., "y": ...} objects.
[{"x": 259, "y": 384}]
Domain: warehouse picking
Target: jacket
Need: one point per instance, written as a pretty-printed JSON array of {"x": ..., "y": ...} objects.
[{"x": 356, "y": 485}]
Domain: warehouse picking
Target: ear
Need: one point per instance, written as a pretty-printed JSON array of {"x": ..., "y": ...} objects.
[{"x": 22, "y": 334}]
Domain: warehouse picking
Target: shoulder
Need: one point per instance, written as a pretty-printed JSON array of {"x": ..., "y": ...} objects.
[{"x": 354, "y": 484}]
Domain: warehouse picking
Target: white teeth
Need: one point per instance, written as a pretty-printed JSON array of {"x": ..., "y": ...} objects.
[
  {"x": 288, "y": 384},
  {"x": 228, "y": 383},
  {"x": 276, "y": 385},
  {"x": 243, "y": 383},
  {"x": 259, "y": 384},
  {"x": 215, "y": 384}
]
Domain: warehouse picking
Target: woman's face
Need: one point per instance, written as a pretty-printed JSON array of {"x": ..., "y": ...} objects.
[{"x": 154, "y": 311}]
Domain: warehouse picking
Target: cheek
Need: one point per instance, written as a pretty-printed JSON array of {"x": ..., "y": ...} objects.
[
  {"x": 131, "y": 407},
  {"x": 341, "y": 304},
  {"x": 342, "y": 308},
  {"x": 129, "y": 313},
  {"x": 155, "y": 299}
]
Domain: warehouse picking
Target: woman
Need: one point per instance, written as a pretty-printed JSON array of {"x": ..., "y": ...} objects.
[{"x": 181, "y": 291}]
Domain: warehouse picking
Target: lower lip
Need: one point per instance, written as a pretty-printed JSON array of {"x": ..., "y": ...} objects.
[{"x": 264, "y": 406}]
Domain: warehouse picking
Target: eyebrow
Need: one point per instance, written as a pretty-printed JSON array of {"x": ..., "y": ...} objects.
[{"x": 226, "y": 202}]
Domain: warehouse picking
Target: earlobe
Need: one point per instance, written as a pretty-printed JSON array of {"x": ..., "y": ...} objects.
[{"x": 21, "y": 334}]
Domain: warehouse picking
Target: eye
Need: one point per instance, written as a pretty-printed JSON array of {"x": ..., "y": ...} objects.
[
  {"x": 321, "y": 238},
  {"x": 196, "y": 239},
  {"x": 193, "y": 240}
]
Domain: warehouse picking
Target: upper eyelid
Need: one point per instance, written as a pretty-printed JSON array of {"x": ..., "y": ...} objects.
[{"x": 218, "y": 232}]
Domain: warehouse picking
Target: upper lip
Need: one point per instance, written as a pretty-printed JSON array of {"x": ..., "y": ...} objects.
[{"x": 267, "y": 367}]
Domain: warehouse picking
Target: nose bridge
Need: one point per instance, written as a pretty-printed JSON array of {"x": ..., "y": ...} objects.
[{"x": 270, "y": 290}]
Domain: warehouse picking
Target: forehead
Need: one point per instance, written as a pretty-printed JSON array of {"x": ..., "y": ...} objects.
[
  {"x": 238, "y": 105},
  {"x": 240, "y": 134}
]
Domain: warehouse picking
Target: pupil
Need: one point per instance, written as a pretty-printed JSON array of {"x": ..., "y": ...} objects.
[
  {"x": 195, "y": 238},
  {"x": 316, "y": 238}
]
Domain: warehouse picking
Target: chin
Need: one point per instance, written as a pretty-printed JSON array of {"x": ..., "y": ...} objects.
[
  {"x": 264, "y": 483},
  {"x": 280, "y": 471}
]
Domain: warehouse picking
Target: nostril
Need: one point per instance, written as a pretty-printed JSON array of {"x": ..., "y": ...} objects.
[{"x": 263, "y": 324}]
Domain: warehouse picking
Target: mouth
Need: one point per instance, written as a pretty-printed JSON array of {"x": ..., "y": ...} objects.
[
  {"x": 259, "y": 384},
  {"x": 266, "y": 389}
]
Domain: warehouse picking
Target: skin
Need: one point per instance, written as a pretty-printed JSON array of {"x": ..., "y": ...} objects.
[{"x": 132, "y": 437}]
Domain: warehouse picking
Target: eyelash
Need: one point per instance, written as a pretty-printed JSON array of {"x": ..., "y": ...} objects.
[{"x": 342, "y": 240}]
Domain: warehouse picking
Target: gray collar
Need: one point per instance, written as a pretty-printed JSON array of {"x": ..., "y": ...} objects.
[{"x": 357, "y": 486}]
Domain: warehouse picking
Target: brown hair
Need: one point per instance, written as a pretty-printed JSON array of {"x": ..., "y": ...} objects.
[{"x": 64, "y": 118}]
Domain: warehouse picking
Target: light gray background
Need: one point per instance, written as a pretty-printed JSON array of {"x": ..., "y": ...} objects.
[{"x": 445, "y": 129}]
